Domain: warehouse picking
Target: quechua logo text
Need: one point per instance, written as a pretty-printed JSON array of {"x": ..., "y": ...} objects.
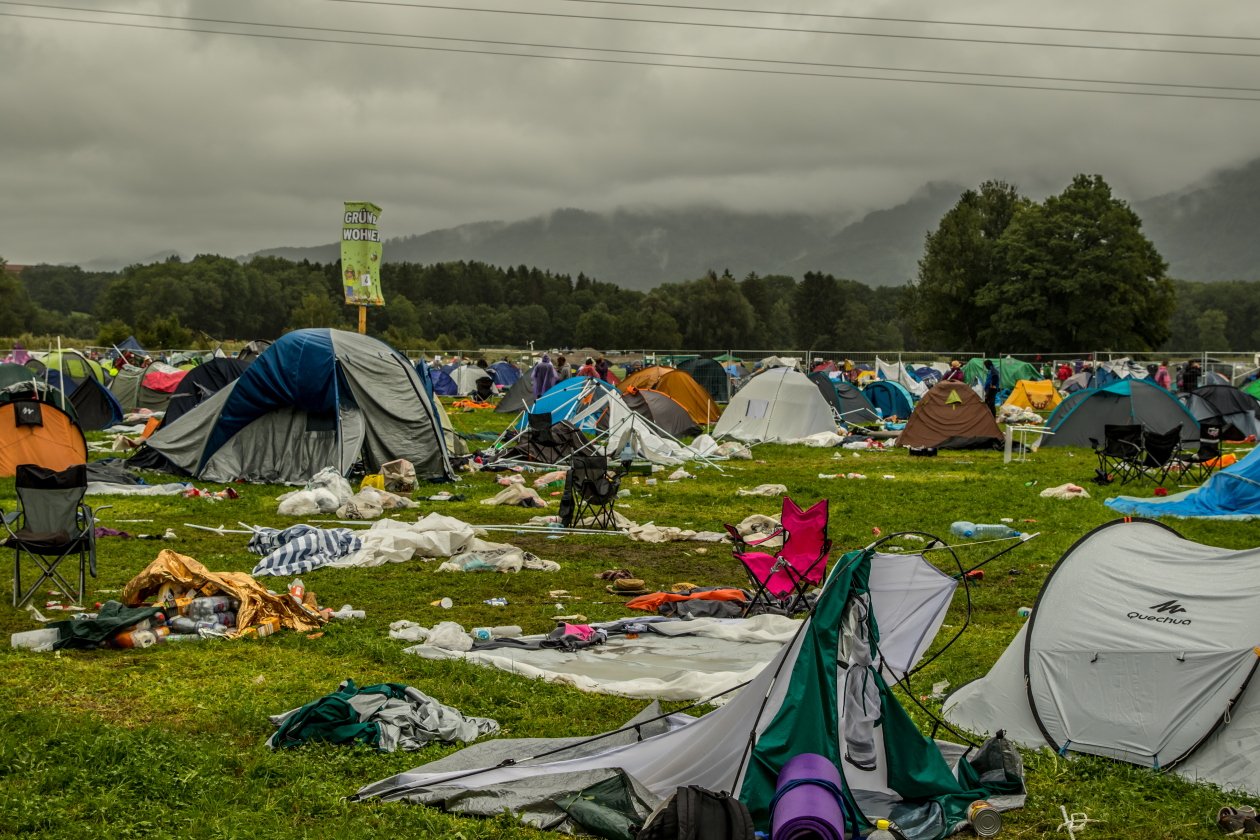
[{"x": 1166, "y": 613}]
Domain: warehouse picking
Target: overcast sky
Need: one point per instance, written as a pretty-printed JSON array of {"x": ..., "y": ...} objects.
[{"x": 122, "y": 138}]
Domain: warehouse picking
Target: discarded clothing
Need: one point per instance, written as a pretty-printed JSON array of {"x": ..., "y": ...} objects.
[
  {"x": 517, "y": 494},
  {"x": 300, "y": 549},
  {"x": 651, "y": 603},
  {"x": 388, "y": 716},
  {"x": 764, "y": 490},
  {"x": 1065, "y": 491},
  {"x": 112, "y": 618}
]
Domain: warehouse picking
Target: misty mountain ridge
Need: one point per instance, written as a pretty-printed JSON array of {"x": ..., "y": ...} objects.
[{"x": 1205, "y": 231}]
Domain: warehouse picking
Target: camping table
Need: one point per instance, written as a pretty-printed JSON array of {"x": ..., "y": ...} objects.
[{"x": 1024, "y": 433}]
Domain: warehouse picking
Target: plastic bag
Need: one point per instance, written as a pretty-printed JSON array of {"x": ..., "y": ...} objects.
[{"x": 399, "y": 475}]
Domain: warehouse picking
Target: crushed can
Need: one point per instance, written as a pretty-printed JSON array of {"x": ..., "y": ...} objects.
[{"x": 985, "y": 819}]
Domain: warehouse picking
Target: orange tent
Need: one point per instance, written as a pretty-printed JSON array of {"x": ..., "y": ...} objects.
[
  {"x": 39, "y": 433},
  {"x": 677, "y": 385}
]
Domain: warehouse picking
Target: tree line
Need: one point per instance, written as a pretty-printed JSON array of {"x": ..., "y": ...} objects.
[{"x": 1000, "y": 273}]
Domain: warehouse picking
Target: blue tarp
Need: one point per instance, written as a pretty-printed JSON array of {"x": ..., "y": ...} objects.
[{"x": 1231, "y": 493}]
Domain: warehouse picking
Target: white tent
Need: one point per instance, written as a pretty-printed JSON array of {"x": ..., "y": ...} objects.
[
  {"x": 776, "y": 405},
  {"x": 1140, "y": 647}
]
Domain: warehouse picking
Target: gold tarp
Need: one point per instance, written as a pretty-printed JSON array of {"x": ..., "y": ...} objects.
[{"x": 257, "y": 604}]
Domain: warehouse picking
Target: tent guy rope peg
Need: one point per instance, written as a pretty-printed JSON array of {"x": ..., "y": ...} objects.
[{"x": 1073, "y": 823}]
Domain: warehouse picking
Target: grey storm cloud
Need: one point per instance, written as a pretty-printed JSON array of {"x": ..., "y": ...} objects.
[{"x": 125, "y": 137}]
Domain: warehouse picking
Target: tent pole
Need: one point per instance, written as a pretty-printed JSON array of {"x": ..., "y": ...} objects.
[{"x": 362, "y": 320}]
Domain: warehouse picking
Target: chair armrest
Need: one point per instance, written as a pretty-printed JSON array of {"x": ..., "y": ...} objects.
[{"x": 777, "y": 532}]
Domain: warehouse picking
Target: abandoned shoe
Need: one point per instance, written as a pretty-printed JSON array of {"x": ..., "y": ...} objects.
[
  {"x": 1228, "y": 821},
  {"x": 870, "y": 765},
  {"x": 1248, "y": 816}
]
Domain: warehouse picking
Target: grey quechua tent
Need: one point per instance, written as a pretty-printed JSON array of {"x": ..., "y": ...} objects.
[
  {"x": 316, "y": 398},
  {"x": 1140, "y": 648}
]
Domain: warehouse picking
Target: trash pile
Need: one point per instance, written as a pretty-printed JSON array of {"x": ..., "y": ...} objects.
[{"x": 329, "y": 492}]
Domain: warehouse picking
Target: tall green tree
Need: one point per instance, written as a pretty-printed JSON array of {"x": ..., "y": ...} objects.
[
  {"x": 959, "y": 259},
  {"x": 1077, "y": 273}
]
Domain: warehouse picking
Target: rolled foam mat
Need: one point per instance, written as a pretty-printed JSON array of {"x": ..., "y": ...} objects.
[{"x": 807, "y": 803}]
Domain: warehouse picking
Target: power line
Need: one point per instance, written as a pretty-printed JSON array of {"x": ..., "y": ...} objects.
[
  {"x": 977, "y": 24},
  {"x": 751, "y": 27},
  {"x": 652, "y": 53},
  {"x": 624, "y": 62}
]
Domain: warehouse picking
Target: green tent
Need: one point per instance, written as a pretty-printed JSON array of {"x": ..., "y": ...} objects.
[
  {"x": 74, "y": 366},
  {"x": 1010, "y": 371}
]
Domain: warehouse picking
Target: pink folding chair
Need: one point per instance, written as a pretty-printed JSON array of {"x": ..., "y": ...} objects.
[{"x": 780, "y": 580}]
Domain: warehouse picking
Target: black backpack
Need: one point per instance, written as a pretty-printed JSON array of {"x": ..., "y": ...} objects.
[{"x": 694, "y": 813}]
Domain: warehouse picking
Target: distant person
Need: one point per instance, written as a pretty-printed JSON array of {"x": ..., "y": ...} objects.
[
  {"x": 603, "y": 369},
  {"x": 543, "y": 376},
  {"x": 1162, "y": 377},
  {"x": 588, "y": 368},
  {"x": 1190, "y": 377},
  {"x": 482, "y": 363},
  {"x": 1065, "y": 371},
  {"x": 563, "y": 369},
  {"x": 991, "y": 383},
  {"x": 484, "y": 390},
  {"x": 955, "y": 372}
]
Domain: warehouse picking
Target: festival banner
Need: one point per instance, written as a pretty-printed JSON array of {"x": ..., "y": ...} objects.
[{"x": 361, "y": 254}]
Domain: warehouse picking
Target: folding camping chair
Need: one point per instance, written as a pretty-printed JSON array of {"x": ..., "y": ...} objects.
[
  {"x": 1119, "y": 453},
  {"x": 1159, "y": 453},
  {"x": 781, "y": 580},
  {"x": 1200, "y": 464},
  {"x": 540, "y": 424},
  {"x": 590, "y": 488},
  {"x": 54, "y": 525}
]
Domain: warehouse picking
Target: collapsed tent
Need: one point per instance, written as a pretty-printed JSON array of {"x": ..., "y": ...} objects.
[
  {"x": 678, "y": 386},
  {"x": 1010, "y": 371},
  {"x": 663, "y": 411},
  {"x": 571, "y": 397},
  {"x": 848, "y": 403},
  {"x": 890, "y": 399},
  {"x": 951, "y": 416},
  {"x": 1115, "y": 370},
  {"x": 317, "y": 397},
  {"x": 1229, "y": 493},
  {"x": 148, "y": 387},
  {"x": 823, "y": 693},
  {"x": 196, "y": 387},
  {"x": 253, "y": 350},
  {"x": 443, "y": 385},
  {"x": 1077, "y": 382},
  {"x": 1140, "y": 648},
  {"x": 1034, "y": 395},
  {"x": 711, "y": 376},
  {"x": 35, "y": 432},
  {"x": 776, "y": 405},
  {"x": 1237, "y": 408},
  {"x": 1084, "y": 414}
]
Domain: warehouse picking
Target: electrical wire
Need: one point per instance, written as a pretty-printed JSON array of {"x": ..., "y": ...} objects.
[
  {"x": 628, "y": 62},
  {"x": 977, "y": 24},
  {"x": 650, "y": 53},
  {"x": 797, "y": 30}
]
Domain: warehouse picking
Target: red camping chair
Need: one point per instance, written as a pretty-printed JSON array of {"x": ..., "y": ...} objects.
[{"x": 780, "y": 580}]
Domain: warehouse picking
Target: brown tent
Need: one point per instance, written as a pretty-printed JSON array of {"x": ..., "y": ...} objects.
[
  {"x": 678, "y": 386},
  {"x": 35, "y": 432},
  {"x": 951, "y": 416}
]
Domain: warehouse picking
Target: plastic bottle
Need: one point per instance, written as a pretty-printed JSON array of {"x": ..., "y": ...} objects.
[
  {"x": 982, "y": 531},
  {"x": 885, "y": 830},
  {"x": 135, "y": 639}
]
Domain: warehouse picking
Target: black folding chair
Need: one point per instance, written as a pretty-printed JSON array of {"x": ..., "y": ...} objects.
[
  {"x": 53, "y": 525},
  {"x": 1119, "y": 454},
  {"x": 590, "y": 489},
  {"x": 1200, "y": 464},
  {"x": 1159, "y": 453}
]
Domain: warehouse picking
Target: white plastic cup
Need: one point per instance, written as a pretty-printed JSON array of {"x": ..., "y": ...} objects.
[{"x": 444, "y": 603}]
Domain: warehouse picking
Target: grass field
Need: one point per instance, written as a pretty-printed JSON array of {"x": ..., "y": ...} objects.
[{"x": 169, "y": 741}]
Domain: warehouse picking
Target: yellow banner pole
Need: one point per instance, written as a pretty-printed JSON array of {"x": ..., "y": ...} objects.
[{"x": 362, "y": 320}]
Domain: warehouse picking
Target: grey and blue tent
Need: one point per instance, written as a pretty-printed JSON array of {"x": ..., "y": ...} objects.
[
  {"x": 443, "y": 385},
  {"x": 890, "y": 398},
  {"x": 316, "y": 398},
  {"x": 850, "y": 405},
  {"x": 1081, "y": 417},
  {"x": 504, "y": 373}
]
